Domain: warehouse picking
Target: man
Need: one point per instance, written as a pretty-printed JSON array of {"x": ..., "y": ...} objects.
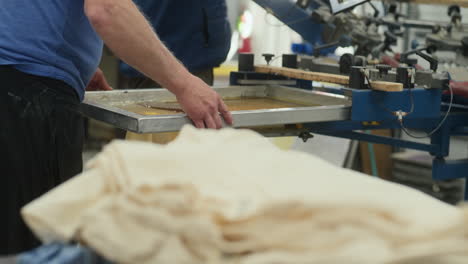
[
  {"x": 49, "y": 52},
  {"x": 196, "y": 32}
]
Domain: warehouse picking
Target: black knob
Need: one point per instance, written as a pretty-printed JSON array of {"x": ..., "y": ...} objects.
[
  {"x": 392, "y": 9},
  {"x": 431, "y": 49},
  {"x": 464, "y": 43},
  {"x": 449, "y": 28},
  {"x": 346, "y": 62},
  {"x": 411, "y": 62},
  {"x": 404, "y": 77},
  {"x": 383, "y": 68},
  {"x": 399, "y": 33},
  {"x": 290, "y": 61},
  {"x": 246, "y": 62},
  {"x": 268, "y": 57},
  {"x": 436, "y": 29},
  {"x": 357, "y": 79},
  {"x": 360, "y": 61},
  {"x": 305, "y": 136},
  {"x": 453, "y": 9}
]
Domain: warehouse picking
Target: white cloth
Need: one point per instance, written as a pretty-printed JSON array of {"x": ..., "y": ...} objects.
[{"x": 230, "y": 196}]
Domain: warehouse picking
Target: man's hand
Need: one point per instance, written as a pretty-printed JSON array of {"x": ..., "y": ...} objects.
[
  {"x": 203, "y": 105},
  {"x": 98, "y": 82}
]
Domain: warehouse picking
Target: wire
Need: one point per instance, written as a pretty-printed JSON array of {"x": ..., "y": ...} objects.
[
  {"x": 400, "y": 114},
  {"x": 400, "y": 119},
  {"x": 386, "y": 109}
]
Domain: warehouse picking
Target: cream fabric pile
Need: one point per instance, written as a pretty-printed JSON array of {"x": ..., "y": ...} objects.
[{"x": 230, "y": 196}]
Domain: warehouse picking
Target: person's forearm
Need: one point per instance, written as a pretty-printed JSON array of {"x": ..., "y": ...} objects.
[{"x": 129, "y": 35}]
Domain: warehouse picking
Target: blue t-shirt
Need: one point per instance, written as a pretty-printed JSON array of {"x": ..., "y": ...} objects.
[
  {"x": 50, "y": 38},
  {"x": 196, "y": 31}
]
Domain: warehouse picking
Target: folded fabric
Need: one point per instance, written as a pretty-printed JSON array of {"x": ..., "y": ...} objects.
[
  {"x": 58, "y": 253},
  {"x": 231, "y": 196}
]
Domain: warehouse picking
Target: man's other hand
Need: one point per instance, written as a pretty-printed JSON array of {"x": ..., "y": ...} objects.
[
  {"x": 203, "y": 105},
  {"x": 98, "y": 82}
]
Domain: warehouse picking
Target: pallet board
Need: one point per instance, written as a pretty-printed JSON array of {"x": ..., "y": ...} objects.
[{"x": 325, "y": 77}]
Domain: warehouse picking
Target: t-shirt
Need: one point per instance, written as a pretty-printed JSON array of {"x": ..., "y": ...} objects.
[{"x": 50, "y": 38}]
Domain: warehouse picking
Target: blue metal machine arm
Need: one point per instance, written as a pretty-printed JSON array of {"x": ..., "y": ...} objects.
[{"x": 295, "y": 17}]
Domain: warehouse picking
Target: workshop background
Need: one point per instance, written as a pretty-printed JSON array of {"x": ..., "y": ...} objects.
[
  {"x": 258, "y": 32},
  {"x": 331, "y": 91}
]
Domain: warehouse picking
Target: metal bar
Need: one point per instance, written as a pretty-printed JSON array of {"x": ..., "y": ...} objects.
[
  {"x": 460, "y": 131},
  {"x": 441, "y": 138},
  {"x": 315, "y": 64},
  {"x": 449, "y": 169},
  {"x": 348, "y": 125},
  {"x": 115, "y": 116},
  {"x": 267, "y": 82},
  {"x": 280, "y": 131},
  {"x": 378, "y": 140},
  {"x": 237, "y": 78},
  {"x": 251, "y": 118}
]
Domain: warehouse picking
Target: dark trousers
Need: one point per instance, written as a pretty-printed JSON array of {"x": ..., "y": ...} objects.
[{"x": 41, "y": 139}]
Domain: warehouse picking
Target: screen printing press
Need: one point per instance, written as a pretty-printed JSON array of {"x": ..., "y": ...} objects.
[{"x": 285, "y": 101}]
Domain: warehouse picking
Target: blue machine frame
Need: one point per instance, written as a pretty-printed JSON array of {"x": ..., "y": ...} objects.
[
  {"x": 372, "y": 110},
  {"x": 297, "y": 18}
]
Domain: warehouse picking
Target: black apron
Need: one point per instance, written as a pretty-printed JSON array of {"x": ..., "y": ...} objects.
[{"x": 41, "y": 141}]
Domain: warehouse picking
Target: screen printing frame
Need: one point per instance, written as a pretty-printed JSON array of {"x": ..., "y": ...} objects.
[{"x": 104, "y": 106}]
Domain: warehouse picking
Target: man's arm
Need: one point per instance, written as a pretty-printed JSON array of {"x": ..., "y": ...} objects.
[{"x": 129, "y": 35}]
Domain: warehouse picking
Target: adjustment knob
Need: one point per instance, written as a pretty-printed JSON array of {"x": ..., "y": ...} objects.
[
  {"x": 431, "y": 49},
  {"x": 268, "y": 57},
  {"x": 464, "y": 43},
  {"x": 453, "y": 9},
  {"x": 346, "y": 62},
  {"x": 392, "y": 9}
]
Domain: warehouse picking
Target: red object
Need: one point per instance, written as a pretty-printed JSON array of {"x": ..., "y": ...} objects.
[
  {"x": 459, "y": 88},
  {"x": 246, "y": 46},
  {"x": 390, "y": 61},
  {"x": 395, "y": 61}
]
